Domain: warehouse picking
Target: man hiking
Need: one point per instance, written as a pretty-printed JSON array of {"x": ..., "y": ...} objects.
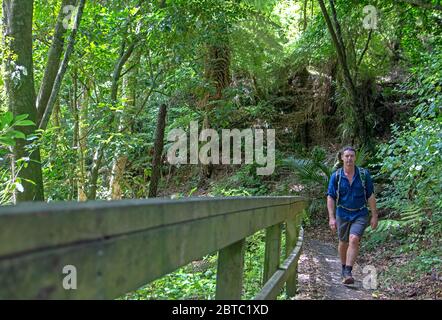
[{"x": 349, "y": 190}]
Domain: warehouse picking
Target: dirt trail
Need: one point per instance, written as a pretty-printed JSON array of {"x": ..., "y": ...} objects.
[{"x": 319, "y": 274}]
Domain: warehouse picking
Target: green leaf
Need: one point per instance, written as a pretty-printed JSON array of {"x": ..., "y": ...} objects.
[
  {"x": 21, "y": 117},
  {"x": 7, "y": 141},
  {"x": 6, "y": 119},
  {"x": 24, "y": 123},
  {"x": 17, "y": 134}
]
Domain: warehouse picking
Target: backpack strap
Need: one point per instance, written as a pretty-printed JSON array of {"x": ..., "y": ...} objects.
[
  {"x": 362, "y": 174},
  {"x": 338, "y": 176}
]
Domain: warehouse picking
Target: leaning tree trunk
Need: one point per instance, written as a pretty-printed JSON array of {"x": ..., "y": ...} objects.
[
  {"x": 45, "y": 111},
  {"x": 158, "y": 151},
  {"x": 337, "y": 40},
  {"x": 53, "y": 61},
  {"x": 20, "y": 92}
]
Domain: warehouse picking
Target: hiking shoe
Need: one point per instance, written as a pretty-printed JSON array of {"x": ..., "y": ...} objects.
[{"x": 347, "y": 277}]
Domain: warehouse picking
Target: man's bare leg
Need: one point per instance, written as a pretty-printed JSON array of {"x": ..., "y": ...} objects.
[
  {"x": 353, "y": 250},
  {"x": 342, "y": 248}
]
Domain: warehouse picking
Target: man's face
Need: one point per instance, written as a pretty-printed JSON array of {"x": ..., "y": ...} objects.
[{"x": 349, "y": 158}]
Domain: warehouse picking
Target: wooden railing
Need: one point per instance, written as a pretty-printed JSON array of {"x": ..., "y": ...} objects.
[{"x": 119, "y": 246}]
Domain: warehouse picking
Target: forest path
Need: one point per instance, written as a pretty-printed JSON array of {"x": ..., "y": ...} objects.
[{"x": 319, "y": 274}]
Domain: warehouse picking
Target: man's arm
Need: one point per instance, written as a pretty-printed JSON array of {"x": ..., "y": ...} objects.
[
  {"x": 331, "y": 196},
  {"x": 331, "y": 213},
  {"x": 372, "y": 202},
  {"x": 374, "y": 211}
]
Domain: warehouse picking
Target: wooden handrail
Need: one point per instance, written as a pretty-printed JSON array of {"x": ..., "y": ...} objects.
[
  {"x": 274, "y": 285},
  {"x": 119, "y": 246}
]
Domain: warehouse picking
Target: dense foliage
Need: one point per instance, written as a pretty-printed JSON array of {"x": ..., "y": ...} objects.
[{"x": 228, "y": 64}]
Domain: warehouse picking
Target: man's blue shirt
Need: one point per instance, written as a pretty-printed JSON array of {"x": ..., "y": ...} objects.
[{"x": 350, "y": 196}]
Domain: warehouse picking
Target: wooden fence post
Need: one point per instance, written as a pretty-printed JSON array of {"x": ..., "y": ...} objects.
[
  {"x": 292, "y": 233},
  {"x": 272, "y": 251},
  {"x": 230, "y": 271}
]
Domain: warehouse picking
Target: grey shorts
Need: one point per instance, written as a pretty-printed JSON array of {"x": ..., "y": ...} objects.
[{"x": 356, "y": 227}]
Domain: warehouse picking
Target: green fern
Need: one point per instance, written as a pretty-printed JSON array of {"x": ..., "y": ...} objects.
[
  {"x": 412, "y": 214},
  {"x": 385, "y": 226},
  {"x": 309, "y": 171}
]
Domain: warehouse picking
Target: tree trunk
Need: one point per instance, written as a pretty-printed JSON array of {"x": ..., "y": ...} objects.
[
  {"x": 20, "y": 91},
  {"x": 118, "y": 169},
  {"x": 53, "y": 61},
  {"x": 218, "y": 68},
  {"x": 358, "y": 109},
  {"x": 158, "y": 151},
  {"x": 57, "y": 132},
  {"x": 129, "y": 89},
  {"x": 82, "y": 145},
  {"x": 305, "y": 15},
  {"x": 80, "y": 112},
  {"x": 74, "y": 107},
  {"x": 217, "y": 73},
  {"x": 99, "y": 153},
  {"x": 96, "y": 165},
  {"x": 46, "y": 113}
]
